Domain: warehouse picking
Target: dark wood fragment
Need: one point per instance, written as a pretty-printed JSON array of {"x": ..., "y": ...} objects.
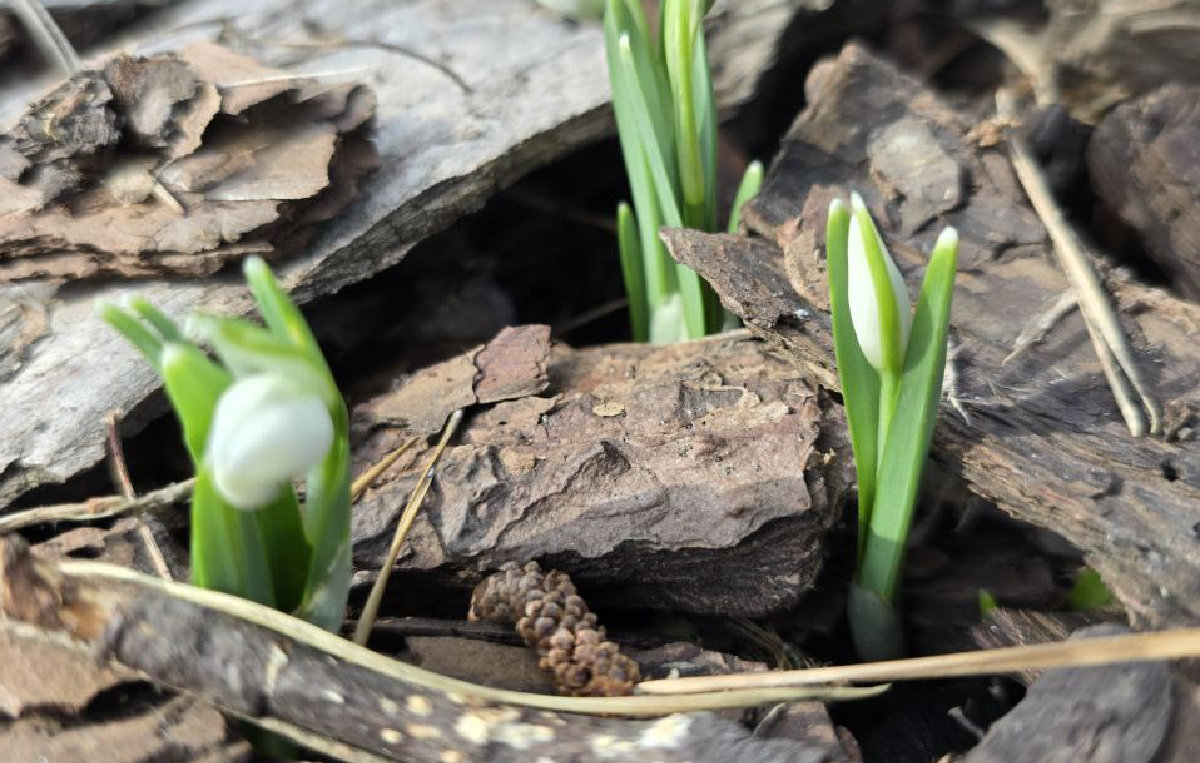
[
  {"x": 1144, "y": 159},
  {"x": 699, "y": 477},
  {"x": 1006, "y": 627},
  {"x": 1039, "y": 432},
  {"x": 1112, "y": 714},
  {"x": 804, "y": 722},
  {"x": 261, "y": 672}
]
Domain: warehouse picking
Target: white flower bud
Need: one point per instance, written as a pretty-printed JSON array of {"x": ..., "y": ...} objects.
[
  {"x": 264, "y": 434},
  {"x": 864, "y": 304}
]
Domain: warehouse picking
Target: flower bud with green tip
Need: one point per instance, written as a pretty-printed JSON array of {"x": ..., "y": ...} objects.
[
  {"x": 265, "y": 433},
  {"x": 879, "y": 306}
]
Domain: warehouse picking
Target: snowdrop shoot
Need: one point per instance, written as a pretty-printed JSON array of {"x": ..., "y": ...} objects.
[
  {"x": 268, "y": 413},
  {"x": 890, "y": 361}
]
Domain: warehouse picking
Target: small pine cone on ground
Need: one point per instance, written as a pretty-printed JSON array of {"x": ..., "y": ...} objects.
[{"x": 553, "y": 619}]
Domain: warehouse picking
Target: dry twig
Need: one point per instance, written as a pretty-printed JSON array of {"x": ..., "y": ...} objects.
[
  {"x": 98, "y": 508},
  {"x": 362, "y": 630},
  {"x": 1101, "y": 318},
  {"x": 116, "y": 457}
]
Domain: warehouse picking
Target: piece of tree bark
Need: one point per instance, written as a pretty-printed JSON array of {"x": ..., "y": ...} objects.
[
  {"x": 1143, "y": 162},
  {"x": 1119, "y": 713},
  {"x": 700, "y": 477},
  {"x": 538, "y": 88},
  {"x": 1038, "y": 432},
  {"x": 271, "y": 669},
  {"x": 1006, "y": 627},
  {"x": 60, "y": 706},
  {"x": 175, "y": 164}
]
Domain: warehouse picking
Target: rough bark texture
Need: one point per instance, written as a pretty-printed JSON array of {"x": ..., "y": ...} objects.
[
  {"x": 1124, "y": 713},
  {"x": 1143, "y": 161},
  {"x": 254, "y": 671},
  {"x": 59, "y": 706},
  {"x": 1038, "y": 432},
  {"x": 84, "y": 22},
  {"x": 700, "y": 477},
  {"x": 538, "y": 88},
  {"x": 174, "y": 164}
]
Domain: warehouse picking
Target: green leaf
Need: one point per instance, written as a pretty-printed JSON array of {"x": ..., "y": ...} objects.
[
  {"x": 247, "y": 349},
  {"x": 908, "y": 440},
  {"x": 193, "y": 384},
  {"x": 679, "y": 31},
  {"x": 705, "y": 108},
  {"x": 1088, "y": 592},
  {"x": 632, "y": 267},
  {"x": 226, "y": 547},
  {"x": 327, "y": 525},
  {"x": 279, "y": 312},
  {"x": 860, "y": 381},
  {"x": 747, "y": 189},
  {"x": 286, "y": 548},
  {"x": 145, "y": 340},
  {"x": 987, "y": 603},
  {"x": 166, "y": 328}
]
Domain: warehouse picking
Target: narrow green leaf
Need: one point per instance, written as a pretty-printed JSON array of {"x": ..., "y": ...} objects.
[
  {"x": 166, "y": 328},
  {"x": 658, "y": 268},
  {"x": 226, "y": 548},
  {"x": 327, "y": 525},
  {"x": 678, "y": 36},
  {"x": 747, "y": 189},
  {"x": 286, "y": 548},
  {"x": 705, "y": 108},
  {"x": 692, "y": 291},
  {"x": 908, "y": 440},
  {"x": 860, "y": 381},
  {"x": 279, "y": 312},
  {"x": 193, "y": 384},
  {"x": 632, "y": 267},
  {"x": 652, "y": 150},
  {"x": 145, "y": 340}
]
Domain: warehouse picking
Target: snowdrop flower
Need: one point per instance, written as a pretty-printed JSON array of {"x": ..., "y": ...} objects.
[
  {"x": 265, "y": 432},
  {"x": 883, "y": 350}
]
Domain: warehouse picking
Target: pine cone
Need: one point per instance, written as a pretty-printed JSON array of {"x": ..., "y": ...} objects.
[{"x": 554, "y": 619}]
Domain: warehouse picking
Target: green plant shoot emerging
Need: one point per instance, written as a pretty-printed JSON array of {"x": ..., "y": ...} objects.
[
  {"x": 268, "y": 413},
  {"x": 667, "y": 123},
  {"x": 890, "y": 361}
]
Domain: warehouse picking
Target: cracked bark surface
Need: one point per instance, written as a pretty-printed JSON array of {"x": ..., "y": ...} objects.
[
  {"x": 1039, "y": 433},
  {"x": 701, "y": 477}
]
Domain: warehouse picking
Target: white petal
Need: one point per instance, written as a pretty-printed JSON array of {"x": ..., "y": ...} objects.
[
  {"x": 864, "y": 308},
  {"x": 262, "y": 436}
]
